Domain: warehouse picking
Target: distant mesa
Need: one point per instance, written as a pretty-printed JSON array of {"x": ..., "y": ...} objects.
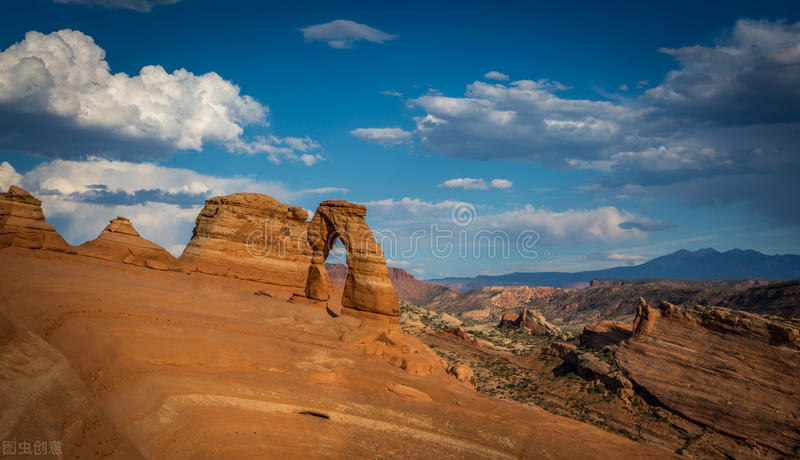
[{"x": 22, "y": 223}]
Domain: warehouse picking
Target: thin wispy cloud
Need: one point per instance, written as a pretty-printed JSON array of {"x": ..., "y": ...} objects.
[
  {"x": 495, "y": 75},
  {"x": 468, "y": 183},
  {"x": 344, "y": 33},
  {"x": 385, "y": 136},
  {"x": 142, "y": 6}
]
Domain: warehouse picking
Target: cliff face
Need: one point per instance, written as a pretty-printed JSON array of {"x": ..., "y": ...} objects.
[
  {"x": 734, "y": 371},
  {"x": 253, "y": 237}
]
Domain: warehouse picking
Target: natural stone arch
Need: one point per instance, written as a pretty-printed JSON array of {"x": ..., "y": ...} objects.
[{"x": 367, "y": 287}]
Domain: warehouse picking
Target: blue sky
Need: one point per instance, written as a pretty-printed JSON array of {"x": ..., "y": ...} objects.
[{"x": 616, "y": 132}]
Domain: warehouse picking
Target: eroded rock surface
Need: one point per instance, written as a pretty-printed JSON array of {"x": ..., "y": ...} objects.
[
  {"x": 120, "y": 242},
  {"x": 253, "y": 237},
  {"x": 532, "y": 321},
  {"x": 733, "y": 371},
  {"x": 367, "y": 287},
  {"x": 604, "y": 333},
  {"x": 22, "y": 223},
  {"x": 589, "y": 366}
]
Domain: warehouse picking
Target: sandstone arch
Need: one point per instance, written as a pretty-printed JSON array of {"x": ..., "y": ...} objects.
[{"x": 368, "y": 287}]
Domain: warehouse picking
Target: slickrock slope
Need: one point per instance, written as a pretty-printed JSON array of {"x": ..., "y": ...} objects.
[
  {"x": 604, "y": 333},
  {"x": 198, "y": 366},
  {"x": 251, "y": 236},
  {"x": 120, "y": 242},
  {"x": 730, "y": 370},
  {"x": 22, "y": 223},
  {"x": 112, "y": 359}
]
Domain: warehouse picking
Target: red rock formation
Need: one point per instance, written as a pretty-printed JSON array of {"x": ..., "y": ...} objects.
[
  {"x": 463, "y": 374},
  {"x": 251, "y": 236},
  {"x": 589, "y": 366},
  {"x": 255, "y": 237},
  {"x": 367, "y": 287},
  {"x": 733, "y": 371},
  {"x": 531, "y": 320},
  {"x": 120, "y": 242},
  {"x": 604, "y": 333},
  {"x": 22, "y": 223}
]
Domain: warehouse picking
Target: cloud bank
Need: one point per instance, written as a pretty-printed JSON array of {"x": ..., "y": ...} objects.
[
  {"x": 58, "y": 97},
  {"x": 722, "y": 128}
]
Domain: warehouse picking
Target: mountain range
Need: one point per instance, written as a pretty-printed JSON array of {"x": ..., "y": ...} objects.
[{"x": 683, "y": 264}]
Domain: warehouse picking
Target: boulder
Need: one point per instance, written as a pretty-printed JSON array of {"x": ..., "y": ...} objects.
[
  {"x": 120, "y": 242},
  {"x": 735, "y": 372},
  {"x": 463, "y": 374},
  {"x": 251, "y": 236},
  {"x": 604, "y": 333},
  {"x": 367, "y": 287},
  {"x": 22, "y": 223}
]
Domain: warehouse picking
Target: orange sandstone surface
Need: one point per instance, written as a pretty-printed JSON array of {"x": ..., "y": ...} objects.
[{"x": 124, "y": 360}]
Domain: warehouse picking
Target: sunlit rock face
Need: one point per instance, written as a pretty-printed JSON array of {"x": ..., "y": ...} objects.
[
  {"x": 251, "y": 236},
  {"x": 119, "y": 241},
  {"x": 22, "y": 223},
  {"x": 367, "y": 287}
]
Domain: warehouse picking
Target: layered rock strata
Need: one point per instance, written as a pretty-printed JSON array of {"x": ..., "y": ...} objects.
[
  {"x": 733, "y": 371},
  {"x": 120, "y": 242},
  {"x": 22, "y": 223},
  {"x": 253, "y": 237}
]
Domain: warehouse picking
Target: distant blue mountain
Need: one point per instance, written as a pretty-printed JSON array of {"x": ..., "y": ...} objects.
[{"x": 701, "y": 264}]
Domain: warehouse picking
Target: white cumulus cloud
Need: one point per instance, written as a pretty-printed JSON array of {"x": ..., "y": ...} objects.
[
  {"x": 502, "y": 183},
  {"x": 79, "y": 197},
  {"x": 59, "y": 97},
  {"x": 8, "y": 176},
  {"x": 342, "y": 33}
]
